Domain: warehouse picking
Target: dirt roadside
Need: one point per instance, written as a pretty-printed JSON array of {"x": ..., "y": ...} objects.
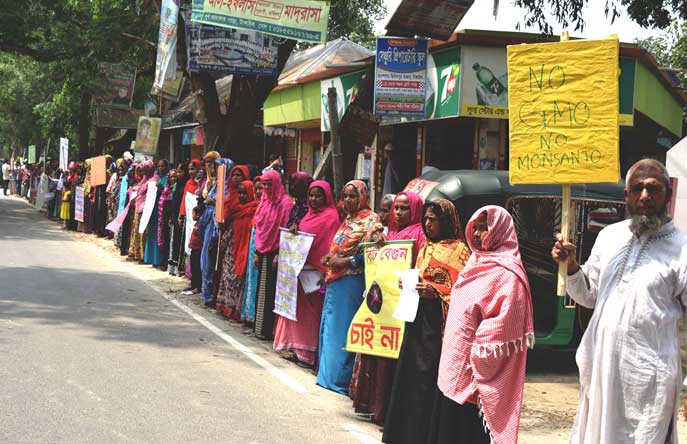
[{"x": 551, "y": 389}]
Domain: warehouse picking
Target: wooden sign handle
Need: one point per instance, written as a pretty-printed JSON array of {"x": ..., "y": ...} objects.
[
  {"x": 566, "y": 224},
  {"x": 566, "y": 221}
]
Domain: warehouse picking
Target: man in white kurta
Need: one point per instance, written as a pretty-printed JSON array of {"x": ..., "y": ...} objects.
[{"x": 636, "y": 281}]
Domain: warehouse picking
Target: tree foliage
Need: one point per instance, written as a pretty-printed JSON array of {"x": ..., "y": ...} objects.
[
  {"x": 670, "y": 49},
  {"x": 568, "y": 13}
]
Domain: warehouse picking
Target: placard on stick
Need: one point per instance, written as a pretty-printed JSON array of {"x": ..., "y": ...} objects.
[
  {"x": 563, "y": 114},
  {"x": 563, "y": 111},
  {"x": 98, "y": 168}
]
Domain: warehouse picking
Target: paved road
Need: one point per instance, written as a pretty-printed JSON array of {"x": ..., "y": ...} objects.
[{"x": 89, "y": 353}]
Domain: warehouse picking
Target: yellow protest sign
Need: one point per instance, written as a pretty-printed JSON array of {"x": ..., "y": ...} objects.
[
  {"x": 374, "y": 330},
  {"x": 563, "y": 112}
]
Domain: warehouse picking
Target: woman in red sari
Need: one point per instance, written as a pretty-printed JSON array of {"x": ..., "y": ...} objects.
[
  {"x": 230, "y": 288},
  {"x": 321, "y": 220}
]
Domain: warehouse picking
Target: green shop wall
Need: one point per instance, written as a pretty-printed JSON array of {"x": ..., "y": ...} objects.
[
  {"x": 299, "y": 103},
  {"x": 656, "y": 102}
]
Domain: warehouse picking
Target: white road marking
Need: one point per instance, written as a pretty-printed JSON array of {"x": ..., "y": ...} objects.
[
  {"x": 262, "y": 362},
  {"x": 359, "y": 434}
]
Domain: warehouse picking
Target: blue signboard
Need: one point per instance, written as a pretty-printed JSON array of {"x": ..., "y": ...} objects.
[{"x": 400, "y": 77}]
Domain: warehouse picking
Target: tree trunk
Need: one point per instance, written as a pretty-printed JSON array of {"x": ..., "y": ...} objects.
[
  {"x": 235, "y": 133},
  {"x": 84, "y": 125}
]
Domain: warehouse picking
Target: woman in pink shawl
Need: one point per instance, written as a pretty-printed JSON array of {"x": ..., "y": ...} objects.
[
  {"x": 138, "y": 240},
  {"x": 271, "y": 215},
  {"x": 372, "y": 376},
  {"x": 322, "y": 220},
  {"x": 488, "y": 331}
]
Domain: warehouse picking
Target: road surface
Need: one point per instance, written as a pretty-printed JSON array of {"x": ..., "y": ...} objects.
[{"x": 91, "y": 353}]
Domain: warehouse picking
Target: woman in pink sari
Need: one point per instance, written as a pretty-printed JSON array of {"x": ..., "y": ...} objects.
[
  {"x": 321, "y": 220},
  {"x": 372, "y": 376},
  {"x": 271, "y": 215},
  {"x": 488, "y": 331}
]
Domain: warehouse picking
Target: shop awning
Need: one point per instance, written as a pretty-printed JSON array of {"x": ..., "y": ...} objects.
[
  {"x": 655, "y": 101},
  {"x": 292, "y": 106}
]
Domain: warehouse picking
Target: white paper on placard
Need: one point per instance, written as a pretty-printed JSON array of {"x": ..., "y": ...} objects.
[
  {"x": 191, "y": 203},
  {"x": 310, "y": 278},
  {"x": 148, "y": 206},
  {"x": 406, "y": 310}
]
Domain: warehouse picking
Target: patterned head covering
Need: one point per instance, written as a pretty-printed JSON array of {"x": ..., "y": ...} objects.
[
  {"x": 360, "y": 188},
  {"x": 448, "y": 219}
]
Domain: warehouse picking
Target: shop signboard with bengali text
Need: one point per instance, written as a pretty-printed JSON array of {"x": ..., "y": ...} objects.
[
  {"x": 484, "y": 82},
  {"x": 400, "y": 77},
  {"x": 304, "y": 20}
]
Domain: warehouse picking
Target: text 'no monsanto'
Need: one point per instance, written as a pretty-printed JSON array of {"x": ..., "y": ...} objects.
[{"x": 563, "y": 108}]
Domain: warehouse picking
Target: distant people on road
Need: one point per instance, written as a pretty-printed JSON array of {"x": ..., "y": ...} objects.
[
  {"x": 6, "y": 177},
  {"x": 636, "y": 281}
]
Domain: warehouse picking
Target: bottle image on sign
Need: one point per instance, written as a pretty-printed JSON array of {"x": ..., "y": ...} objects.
[{"x": 490, "y": 89}]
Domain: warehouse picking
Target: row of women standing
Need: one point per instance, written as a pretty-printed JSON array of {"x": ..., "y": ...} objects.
[{"x": 460, "y": 374}]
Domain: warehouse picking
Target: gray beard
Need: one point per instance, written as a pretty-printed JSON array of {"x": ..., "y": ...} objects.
[{"x": 650, "y": 225}]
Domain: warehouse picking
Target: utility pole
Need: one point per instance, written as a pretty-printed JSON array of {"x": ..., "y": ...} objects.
[{"x": 337, "y": 160}]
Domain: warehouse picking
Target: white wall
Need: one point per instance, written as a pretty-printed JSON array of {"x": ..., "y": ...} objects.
[{"x": 676, "y": 161}]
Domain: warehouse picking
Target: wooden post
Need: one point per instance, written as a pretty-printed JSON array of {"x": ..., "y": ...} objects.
[
  {"x": 567, "y": 221},
  {"x": 337, "y": 161}
]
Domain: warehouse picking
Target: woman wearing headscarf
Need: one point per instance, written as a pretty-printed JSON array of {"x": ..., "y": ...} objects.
[
  {"x": 321, "y": 220},
  {"x": 231, "y": 288},
  {"x": 271, "y": 215},
  {"x": 194, "y": 172},
  {"x": 127, "y": 185},
  {"x": 85, "y": 226},
  {"x": 345, "y": 287},
  {"x": 164, "y": 214},
  {"x": 153, "y": 255},
  {"x": 372, "y": 376},
  {"x": 251, "y": 280},
  {"x": 175, "y": 230},
  {"x": 207, "y": 227},
  {"x": 99, "y": 200},
  {"x": 384, "y": 212},
  {"x": 145, "y": 173},
  {"x": 488, "y": 331},
  {"x": 114, "y": 194},
  {"x": 414, "y": 385}
]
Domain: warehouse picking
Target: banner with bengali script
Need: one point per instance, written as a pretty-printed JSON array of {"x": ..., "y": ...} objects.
[
  {"x": 374, "y": 330},
  {"x": 165, "y": 64},
  {"x": 78, "y": 203},
  {"x": 563, "y": 108},
  {"x": 231, "y": 51},
  {"x": 400, "y": 77},
  {"x": 304, "y": 20},
  {"x": 293, "y": 251}
]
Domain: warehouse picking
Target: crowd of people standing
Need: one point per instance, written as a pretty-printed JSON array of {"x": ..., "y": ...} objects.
[{"x": 233, "y": 265}]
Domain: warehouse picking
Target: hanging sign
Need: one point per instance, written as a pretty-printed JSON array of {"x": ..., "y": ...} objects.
[
  {"x": 374, "y": 330},
  {"x": 147, "y": 135},
  {"x": 64, "y": 153},
  {"x": 165, "y": 64},
  {"x": 400, "y": 77},
  {"x": 231, "y": 51},
  {"x": 563, "y": 112},
  {"x": 304, "y": 20}
]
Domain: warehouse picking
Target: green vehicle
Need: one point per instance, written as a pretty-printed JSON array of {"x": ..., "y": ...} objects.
[{"x": 536, "y": 211}]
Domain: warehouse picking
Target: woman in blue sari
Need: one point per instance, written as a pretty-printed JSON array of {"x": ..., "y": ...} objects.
[
  {"x": 345, "y": 287},
  {"x": 152, "y": 251},
  {"x": 251, "y": 285},
  {"x": 207, "y": 227}
]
